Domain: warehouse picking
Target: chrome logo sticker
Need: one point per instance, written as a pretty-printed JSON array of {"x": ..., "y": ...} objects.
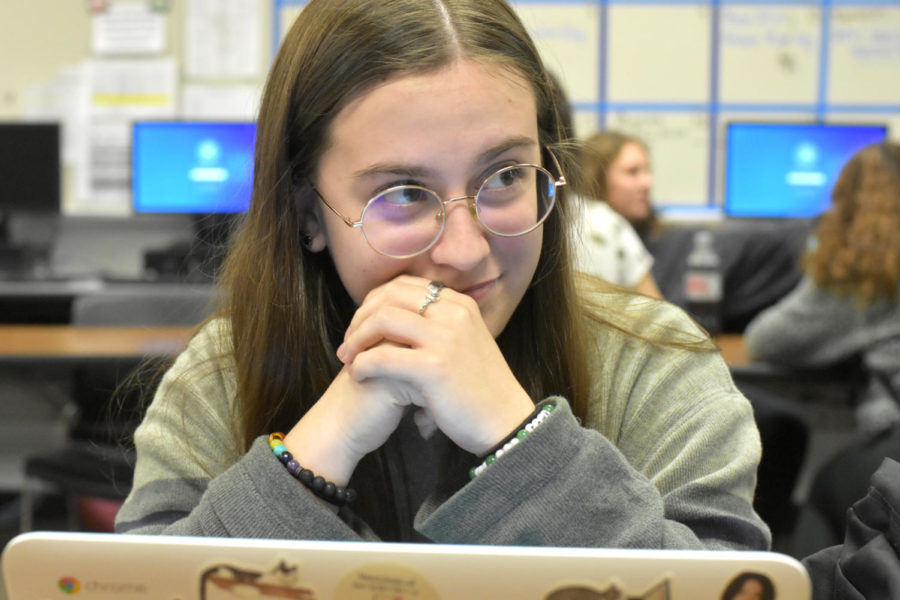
[{"x": 69, "y": 585}]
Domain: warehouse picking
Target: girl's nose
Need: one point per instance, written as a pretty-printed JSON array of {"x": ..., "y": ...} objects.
[{"x": 464, "y": 244}]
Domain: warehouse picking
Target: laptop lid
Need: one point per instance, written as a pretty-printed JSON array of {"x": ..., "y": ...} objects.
[{"x": 105, "y": 566}]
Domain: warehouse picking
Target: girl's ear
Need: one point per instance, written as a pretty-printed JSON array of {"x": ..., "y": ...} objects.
[{"x": 311, "y": 230}]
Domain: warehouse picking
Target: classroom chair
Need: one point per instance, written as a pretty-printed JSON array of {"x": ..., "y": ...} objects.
[{"x": 95, "y": 468}]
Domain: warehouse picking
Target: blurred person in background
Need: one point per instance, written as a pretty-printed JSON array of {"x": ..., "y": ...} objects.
[
  {"x": 847, "y": 308},
  {"x": 606, "y": 245},
  {"x": 617, "y": 167}
]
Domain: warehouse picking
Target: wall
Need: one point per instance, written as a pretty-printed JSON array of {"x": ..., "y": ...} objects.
[
  {"x": 63, "y": 61},
  {"x": 673, "y": 72}
]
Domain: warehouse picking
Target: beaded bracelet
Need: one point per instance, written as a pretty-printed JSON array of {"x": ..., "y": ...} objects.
[
  {"x": 520, "y": 435},
  {"x": 326, "y": 490},
  {"x": 515, "y": 431}
]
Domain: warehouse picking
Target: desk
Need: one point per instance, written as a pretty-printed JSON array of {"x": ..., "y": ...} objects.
[
  {"x": 50, "y": 301},
  {"x": 38, "y": 366},
  {"x": 834, "y": 386},
  {"x": 67, "y": 343},
  {"x": 29, "y": 344},
  {"x": 735, "y": 354},
  {"x": 733, "y": 349}
]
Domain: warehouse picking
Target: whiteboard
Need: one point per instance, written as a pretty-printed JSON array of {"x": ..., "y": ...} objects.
[
  {"x": 567, "y": 36},
  {"x": 659, "y": 53},
  {"x": 674, "y": 72},
  {"x": 865, "y": 55},
  {"x": 769, "y": 54},
  {"x": 678, "y": 156}
]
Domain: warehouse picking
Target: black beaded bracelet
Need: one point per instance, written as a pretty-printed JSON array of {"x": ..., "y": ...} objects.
[{"x": 326, "y": 490}]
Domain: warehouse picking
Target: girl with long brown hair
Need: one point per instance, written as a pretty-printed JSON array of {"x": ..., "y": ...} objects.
[{"x": 403, "y": 351}]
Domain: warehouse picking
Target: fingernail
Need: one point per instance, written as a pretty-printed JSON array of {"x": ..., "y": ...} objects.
[{"x": 341, "y": 352}]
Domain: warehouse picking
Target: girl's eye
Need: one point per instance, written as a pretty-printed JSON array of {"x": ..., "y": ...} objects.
[
  {"x": 503, "y": 179},
  {"x": 405, "y": 195}
]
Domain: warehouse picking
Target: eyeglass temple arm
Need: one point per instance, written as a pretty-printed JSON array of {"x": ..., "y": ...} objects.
[
  {"x": 347, "y": 221},
  {"x": 561, "y": 181}
]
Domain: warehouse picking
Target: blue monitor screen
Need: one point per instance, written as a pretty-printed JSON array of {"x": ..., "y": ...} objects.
[
  {"x": 195, "y": 167},
  {"x": 787, "y": 170}
]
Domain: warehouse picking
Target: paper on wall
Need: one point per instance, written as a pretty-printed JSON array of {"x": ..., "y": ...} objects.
[
  {"x": 222, "y": 38},
  {"x": 205, "y": 101},
  {"x": 65, "y": 99},
  {"x": 128, "y": 29},
  {"x": 121, "y": 91}
]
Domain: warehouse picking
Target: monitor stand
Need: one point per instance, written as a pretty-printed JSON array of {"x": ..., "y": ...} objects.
[
  {"x": 212, "y": 233},
  {"x": 199, "y": 260},
  {"x": 18, "y": 260}
]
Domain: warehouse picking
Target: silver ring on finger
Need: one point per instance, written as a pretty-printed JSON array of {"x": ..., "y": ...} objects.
[{"x": 433, "y": 290}]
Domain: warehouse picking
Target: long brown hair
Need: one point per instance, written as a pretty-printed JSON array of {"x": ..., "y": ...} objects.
[
  {"x": 287, "y": 306},
  {"x": 857, "y": 249}
]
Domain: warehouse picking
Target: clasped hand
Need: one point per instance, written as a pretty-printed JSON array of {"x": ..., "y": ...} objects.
[{"x": 444, "y": 361}]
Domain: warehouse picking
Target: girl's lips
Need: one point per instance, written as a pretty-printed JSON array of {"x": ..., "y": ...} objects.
[{"x": 479, "y": 291}]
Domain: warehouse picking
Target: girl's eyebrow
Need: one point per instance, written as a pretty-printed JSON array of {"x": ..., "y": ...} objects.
[
  {"x": 393, "y": 169},
  {"x": 510, "y": 144},
  {"x": 416, "y": 171}
]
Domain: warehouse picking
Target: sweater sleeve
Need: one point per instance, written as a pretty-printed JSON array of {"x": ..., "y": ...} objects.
[
  {"x": 867, "y": 564},
  {"x": 808, "y": 327},
  {"x": 190, "y": 479},
  {"x": 668, "y": 459}
]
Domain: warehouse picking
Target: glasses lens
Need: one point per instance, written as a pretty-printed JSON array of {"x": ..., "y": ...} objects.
[
  {"x": 403, "y": 220},
  {"x": 515, "y": 199}
]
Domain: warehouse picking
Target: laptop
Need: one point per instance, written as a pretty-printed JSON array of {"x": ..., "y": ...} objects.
[{"x": 86, "y": 566}]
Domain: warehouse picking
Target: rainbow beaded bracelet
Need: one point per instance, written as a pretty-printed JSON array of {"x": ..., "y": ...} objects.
[
  {"x": 326, "y": 490},
  {"x": 520, "y": 435}
]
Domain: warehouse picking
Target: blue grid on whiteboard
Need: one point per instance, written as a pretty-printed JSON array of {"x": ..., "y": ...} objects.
[
  {"x": 602, "y": 106},
  {"x": 281, "y": 11}
]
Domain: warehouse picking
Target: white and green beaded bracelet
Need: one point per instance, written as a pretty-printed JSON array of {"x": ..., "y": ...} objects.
[{"x": 515, "y": 439}]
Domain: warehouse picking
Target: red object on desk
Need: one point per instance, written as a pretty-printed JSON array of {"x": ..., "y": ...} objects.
[{"x": 98, "y": 514}]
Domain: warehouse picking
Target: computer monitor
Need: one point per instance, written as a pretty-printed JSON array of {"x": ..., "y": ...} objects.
[
  {"x": 29, "y": 169},
  {"x": 30, "y": 183},
  {"x": 192, "y": 167},
  {"x": 202, "y": 169},
  {"x": 787, "y": 170}
]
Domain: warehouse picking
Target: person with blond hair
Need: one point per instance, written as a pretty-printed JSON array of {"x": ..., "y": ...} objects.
[
  {"x": 616, "y": 167},
  {"x": 606, "y": 245}
]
